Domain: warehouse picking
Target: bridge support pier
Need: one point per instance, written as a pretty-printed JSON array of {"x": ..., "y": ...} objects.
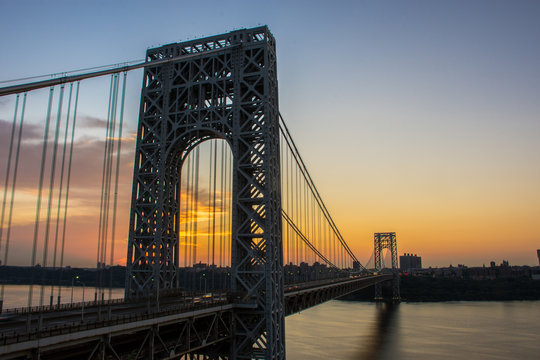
[{"x": 386, "y": 241}]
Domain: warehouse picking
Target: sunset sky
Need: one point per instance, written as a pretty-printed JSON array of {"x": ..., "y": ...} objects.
[{"x": 419, "y": 117}]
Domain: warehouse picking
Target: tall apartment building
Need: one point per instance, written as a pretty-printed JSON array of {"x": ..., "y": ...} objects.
[{"x": 410, "y": 261}]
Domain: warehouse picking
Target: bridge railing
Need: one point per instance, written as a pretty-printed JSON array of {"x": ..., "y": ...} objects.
[
  {"x": 7, "y": 338},
  {"x": 164, "y": 294},
  {"x": 61, "y": 307}
]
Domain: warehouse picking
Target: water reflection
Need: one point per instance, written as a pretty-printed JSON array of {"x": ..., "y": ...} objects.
[
  {"x": 415, "y": 331},
  {"x": 380, "y": 340}
]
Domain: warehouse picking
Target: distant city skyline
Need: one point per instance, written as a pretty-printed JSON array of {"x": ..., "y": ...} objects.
[{"x": 415, "y": 117}]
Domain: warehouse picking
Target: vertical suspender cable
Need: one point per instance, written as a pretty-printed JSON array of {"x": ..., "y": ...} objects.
[
  {"x": 68, "y": 179},
  {"x": 291, "y": 207},
  {"x": 309, "y": 228},
  {"x": 193, "y": 204},
  {"x": 315, "y": 240},
  {"x": 6, "y": 183},
  {"x": 60, "y": 186},
  {"x": 282, "y": 186},
  {"x": 186, "y": 206},
  {"x": 196, "y": 202},
  {"x": 12, "y": 197},
  {"x": 110, "y": 156},
  {"x": 221, "y": 205},
  {"x": 214, "y": 215},
  {"x": 102, "y": 198},
  {"x": 214, "y": 208},
  {"x": 297, "y": 202},
  {"x": 193, "y": 216},
  {"x": 190, "y": 205},
  {"x": 105, "y": 186},
  {"x": 8, "y": 168},
  {"x": 287, "y": 204},
  {"x": 313, "y": 228},
  {"x": 51, "y": 189},
  {"x": 40, "y": 188},
  {"x": 320, "y": 231},
  {"x": 209, "y": 202},
  {"x": 306, "y": 221},
  {"x": 228, "y": 210},
  {"x": 188, "y": 218},
  {"x": 107, "y": 197},
  {"x": 117, "y": 172},
  {"x": 192, "y": 200},
  {"x": 178, "y": 188},
  {"x": 187, "y": 214},
  {"x": 334, "y": 241}
]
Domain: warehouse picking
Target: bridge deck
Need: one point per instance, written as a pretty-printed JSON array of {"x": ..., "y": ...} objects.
[{"x": 178, "y": 323}]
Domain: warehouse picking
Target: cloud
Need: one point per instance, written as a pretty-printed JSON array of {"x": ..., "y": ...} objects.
[
  {"x": 84, "y": 196},
  {"x": 87, "y": 160},
  {"x": 87, "y": 121},
  {"x": 31, "y": 132}
]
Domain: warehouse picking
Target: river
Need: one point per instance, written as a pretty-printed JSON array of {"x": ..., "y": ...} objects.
[
  {"x": 347, "y": 330},
  {"x": 446, "y": 330}
]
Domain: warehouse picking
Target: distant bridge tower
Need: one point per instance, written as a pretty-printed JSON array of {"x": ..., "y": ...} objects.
[
  {"x": 222, "y": 87},
  {"x": 387, "y": 241}
]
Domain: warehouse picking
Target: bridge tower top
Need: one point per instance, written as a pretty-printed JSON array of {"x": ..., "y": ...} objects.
[{"x": 253, "y": 36}]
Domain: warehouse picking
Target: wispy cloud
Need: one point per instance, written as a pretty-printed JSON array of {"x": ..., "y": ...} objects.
[{"x": 87, "y": 121}]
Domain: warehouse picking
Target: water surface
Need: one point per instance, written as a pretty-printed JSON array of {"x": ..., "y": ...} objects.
[{"x": 448, "y": 330}]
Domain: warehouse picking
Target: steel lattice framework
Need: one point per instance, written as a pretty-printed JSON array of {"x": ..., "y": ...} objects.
[
  {"x": 387, "y": 241},
  {"x": 223, "y": 87}
]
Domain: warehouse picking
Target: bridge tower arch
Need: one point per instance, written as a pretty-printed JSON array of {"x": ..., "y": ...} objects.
[
  {"x": 386, "y": 241},
  {"x": 225, "y": 87}
]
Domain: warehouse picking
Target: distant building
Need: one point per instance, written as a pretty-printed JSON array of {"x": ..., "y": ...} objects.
[
  {"x": 408, "y": 262},
  {"x": 538, "y": 254}
]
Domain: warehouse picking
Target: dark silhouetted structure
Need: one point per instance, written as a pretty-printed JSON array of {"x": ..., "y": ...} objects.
[
  {"x": 408, "y": 262},
  {"x": 386, "y": 241}
]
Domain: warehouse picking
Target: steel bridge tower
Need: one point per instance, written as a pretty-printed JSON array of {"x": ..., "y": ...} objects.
[
  {"x": 387, "y": 241},
  {"x": 222, "y": 87}
]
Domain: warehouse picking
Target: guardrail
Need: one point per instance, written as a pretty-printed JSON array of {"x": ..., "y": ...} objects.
[
  {"x": 16, "y": 337},
  {"x": 96, "y": 303}
]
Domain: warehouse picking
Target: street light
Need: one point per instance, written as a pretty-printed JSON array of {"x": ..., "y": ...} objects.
[
  {"x": 200, "y": 281},
  {"x": 82, "y": 311},
  {"x": 72, "y": 280}
]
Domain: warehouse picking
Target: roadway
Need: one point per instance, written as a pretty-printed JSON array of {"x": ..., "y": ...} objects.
[{"x": 22, "y": 330}]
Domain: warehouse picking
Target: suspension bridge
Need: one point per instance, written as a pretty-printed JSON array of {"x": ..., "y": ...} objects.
[{"x": 219, "y": 193}]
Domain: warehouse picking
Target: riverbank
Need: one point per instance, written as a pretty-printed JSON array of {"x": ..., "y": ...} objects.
[{"x": 428, "y": 289}]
